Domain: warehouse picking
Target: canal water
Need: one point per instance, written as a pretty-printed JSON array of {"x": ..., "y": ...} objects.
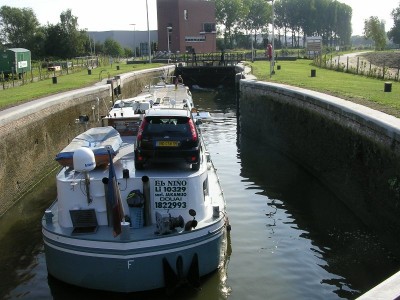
[{"x": 291, "y": 238}]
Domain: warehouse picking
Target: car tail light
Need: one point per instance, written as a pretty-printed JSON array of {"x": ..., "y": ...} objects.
[
  {"x": 141, "y": 128},
  {"x": 193, "y": 130}
]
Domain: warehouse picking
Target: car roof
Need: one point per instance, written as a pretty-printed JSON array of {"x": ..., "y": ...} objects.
[{"x": 167, "y": 113}]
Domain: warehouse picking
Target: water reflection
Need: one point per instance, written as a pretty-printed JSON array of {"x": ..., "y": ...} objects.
[
  {"x": 21, "y": 250},
  {"x": 351, "y": 255}
]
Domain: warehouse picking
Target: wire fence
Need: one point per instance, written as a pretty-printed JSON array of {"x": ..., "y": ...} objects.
[
  {"x": 42, "y": 70},
  {"x": 357, "y": 65}
]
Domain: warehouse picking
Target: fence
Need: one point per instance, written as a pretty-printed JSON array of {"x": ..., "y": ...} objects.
[
  {"x": 357, "y": 65},
  {"x": 45, "y": 70},
  {"x": 202, "y": 59}
]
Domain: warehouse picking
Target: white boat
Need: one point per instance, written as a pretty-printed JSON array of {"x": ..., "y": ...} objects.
[{"x": 120, "y": 229}]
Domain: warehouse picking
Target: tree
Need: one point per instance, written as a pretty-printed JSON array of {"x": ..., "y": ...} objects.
[
  {"x": 344, "y": 30},
  {"x": 282, "y": 18},
  {"x": 128, "y": 52},
  {"x": 375, "y": 29},
  {"x": 18, "y": 27},
  {"x": 258, "y": 14},
  {"x": 228, "y": 13},
  {"x": 54, "y": 41},
  {"x": 74, "y": 40},
  {"x": 113, "y": 48},
  {"x": 65, "y": 40},
  {"x": 394, "y": 32}
]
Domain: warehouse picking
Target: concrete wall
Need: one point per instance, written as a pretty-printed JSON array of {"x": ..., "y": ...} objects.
[
  {"x": 33, "y": 133},
  {"x": 352, "y": 149}
]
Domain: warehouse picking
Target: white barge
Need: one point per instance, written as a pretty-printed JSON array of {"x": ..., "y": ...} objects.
[{"x": 116, "y": 228}]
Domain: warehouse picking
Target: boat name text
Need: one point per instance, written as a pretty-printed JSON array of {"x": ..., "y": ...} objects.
[{"x": 170, "y": 193}]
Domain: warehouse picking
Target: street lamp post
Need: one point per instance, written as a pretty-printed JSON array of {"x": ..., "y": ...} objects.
[
  {"x": 134, "y": 43},
  {"x": 169, "y": 28},
  {"x": 272, "y": 64},
  {"x": 168, "y": 31},
  {"x": 148, "y": 31},
  {"x": 252, "y": 46}
]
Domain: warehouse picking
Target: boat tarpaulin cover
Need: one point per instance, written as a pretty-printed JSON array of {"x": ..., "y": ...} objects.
[{"x": 97, "y": 139}]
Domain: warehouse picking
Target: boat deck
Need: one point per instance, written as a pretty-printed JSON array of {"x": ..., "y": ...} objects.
[
  {"x": 105, "y": 233},
  {"x": 124, "y": 161},
  {"x": 171, "y": 96}
]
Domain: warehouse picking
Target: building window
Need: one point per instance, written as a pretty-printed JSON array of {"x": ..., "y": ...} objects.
[
  {"x": 209, "y": 27},
  {"x": 185, "y": 14},
  {"x": 195, "y": 39}
]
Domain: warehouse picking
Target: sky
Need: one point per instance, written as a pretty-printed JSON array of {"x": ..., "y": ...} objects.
[{"x": 119, "y": 15}]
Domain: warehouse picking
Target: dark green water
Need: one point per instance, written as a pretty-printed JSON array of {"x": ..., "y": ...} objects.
[{"x": 290, "y": 239}]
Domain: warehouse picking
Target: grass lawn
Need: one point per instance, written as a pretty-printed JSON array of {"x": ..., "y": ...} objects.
[
  {"x": 356, "y": 88},
  {"x": 35, "y": 90}
]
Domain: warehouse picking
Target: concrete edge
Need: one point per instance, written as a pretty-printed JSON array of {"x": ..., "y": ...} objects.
[
  {"x": 373, "y": 119},
  {"x": 22, "y": 110},
  {"x": 128, "y": 75},
  {"x": 388, "y": 289}
]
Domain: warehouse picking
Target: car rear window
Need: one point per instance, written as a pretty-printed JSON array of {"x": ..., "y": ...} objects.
[{"x": 178, "y": 126}]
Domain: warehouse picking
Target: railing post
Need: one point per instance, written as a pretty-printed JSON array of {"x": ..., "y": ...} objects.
[{"x": 358, "y": 63}]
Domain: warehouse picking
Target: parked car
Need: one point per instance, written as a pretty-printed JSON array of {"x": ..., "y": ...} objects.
[{"x": 165, "y": 136}]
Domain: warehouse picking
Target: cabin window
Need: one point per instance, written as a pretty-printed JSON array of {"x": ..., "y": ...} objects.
[{"x": 185, "y": 14}]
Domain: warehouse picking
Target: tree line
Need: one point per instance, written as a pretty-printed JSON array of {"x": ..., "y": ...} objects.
[
  {"x": 237, "y": 19},
  {"x": 294, "y": 20},
  {"x": 20, "y": 28}
]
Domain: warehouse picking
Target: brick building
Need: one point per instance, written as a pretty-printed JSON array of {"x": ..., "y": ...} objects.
[{"x": 187, "y": 25}]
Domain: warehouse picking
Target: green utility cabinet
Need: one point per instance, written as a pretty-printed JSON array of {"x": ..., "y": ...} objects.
[{"x": 15, "y": 61}]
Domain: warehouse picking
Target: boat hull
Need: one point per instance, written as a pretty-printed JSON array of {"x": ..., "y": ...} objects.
[{"x": 132, "y": 269}]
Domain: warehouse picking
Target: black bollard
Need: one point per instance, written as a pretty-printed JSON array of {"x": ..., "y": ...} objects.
[
  {"x": 388, "y": 87},
  {"x": 313, "y": 73}
]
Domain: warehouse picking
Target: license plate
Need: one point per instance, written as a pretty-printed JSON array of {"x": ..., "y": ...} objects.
[{"x": 167, "y": 143}]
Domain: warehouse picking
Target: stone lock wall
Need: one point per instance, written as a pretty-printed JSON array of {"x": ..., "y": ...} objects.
[
  {"x": 353, "y": 150},
  {"x": 32, "y": 134}
]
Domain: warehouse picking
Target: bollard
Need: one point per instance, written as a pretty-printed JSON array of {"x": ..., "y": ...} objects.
[
  {"x": 125, "y": 232},
  {"x": 49, "y": 216},
  {"x": 313, "y": 73},
  {"x": 216, "y": 211},
  {"x": 388, "y": 87},
  {"x": 54, "y": 79}
]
